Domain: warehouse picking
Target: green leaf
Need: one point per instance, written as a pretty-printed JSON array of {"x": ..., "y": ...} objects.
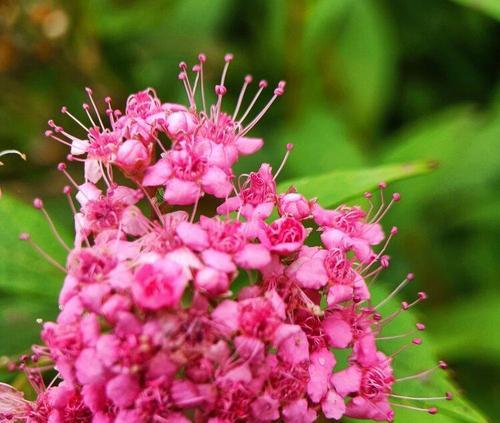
[
  {"x": 339, "y": 186},
  {"x": 467, "y": 331},
  {"x": 22, "y": 270},
  {"x": 415, "y": 360},
  {"x": 489, "y": 7},
  {"x": 18, "y": 316}
]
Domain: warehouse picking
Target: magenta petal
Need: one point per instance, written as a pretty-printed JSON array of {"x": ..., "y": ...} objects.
[
  {"x": 320, "y": 371},
  {"x": 181, "y": 193},
  {"x": 247, "y": 145},
  {"x": 333, "y": 405},
  {"x": 347, "y": 381},
  {"x": 298, "y": 412},
  {"x": 218, "y": 260},
  {"x": 339, "y": 293},
  {"x": 338, "y": 332},
  {"x": 192, "y": 235},
  {"x": 157, "y": 174},
  {"x": 216, "y": 182},
  {"x": 361, "y": 408},
  {"x": 253, "y": 256}
]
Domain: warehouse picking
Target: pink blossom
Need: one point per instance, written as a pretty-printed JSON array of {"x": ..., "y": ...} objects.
[
  {"x": 283, "y": 236},
  {"x": 159, "y": 284}
]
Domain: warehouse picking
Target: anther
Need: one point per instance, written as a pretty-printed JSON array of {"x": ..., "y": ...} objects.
[
  {"x": 248, "y": 79},
  {"x": 220, "y": 90},
  {"x": 263, "y": 83},
  {"x": 382, "y": 185},
  {"x": 62, "y": 167},
  {"x": 394, "y": 230},
  {"x": 24, "y": 236},
  {"x": 368, "y": 195},
  {"x": 228, "y": 57},
  {"x": 202, "y": 58},
  {"x": 38, "y": 203},
  {"x": 396, "y": 196}
]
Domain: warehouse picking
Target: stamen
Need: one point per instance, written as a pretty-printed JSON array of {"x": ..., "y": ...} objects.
[
  {"x": 369, "y": 196},
  {"x": 447, "y": 396},
  {"x": 395, "y": 198},
  {"x": 289, "y": 148},
  {"x": 408, "y": 278},
  {"x": 441, "y": 365},
  {"x": 64, "y": 111},
  {"x": 247, "y": 81},
  {"x": 420, "y": 327},
  {"x": 86, "y": 107},
  {"x": 202, "y": 58},
  {"x": 89, "y": 93},
  {"x": 24, "y": 236},
  {"x": 414, "y": 341},
  {"x": 62, "y": 168},
  {"x": 262, "y": 86},
  {"x": 432, "y": 410},
  {"x": 278, "y": 91},
  {"x": 38, "y": 204}
]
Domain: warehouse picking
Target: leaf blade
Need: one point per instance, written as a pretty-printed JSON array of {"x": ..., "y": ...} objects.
[{"x": 352, "y": 183}]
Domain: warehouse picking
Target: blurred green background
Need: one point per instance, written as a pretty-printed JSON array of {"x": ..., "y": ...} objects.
[{"x": 369, "y": 82}]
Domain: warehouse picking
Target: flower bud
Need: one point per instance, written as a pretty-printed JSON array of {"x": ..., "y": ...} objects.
[
  {"x": 294, "y": 205},
  {"x": 133, "y": 157},
  {"x": 180, "y": 121}
]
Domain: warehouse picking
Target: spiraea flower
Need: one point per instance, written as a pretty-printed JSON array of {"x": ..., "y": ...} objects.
[{"x": 170, "y": 315}]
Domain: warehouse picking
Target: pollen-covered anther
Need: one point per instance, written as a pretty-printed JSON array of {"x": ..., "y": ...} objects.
[
  {"x": 220, "y": 90},
  {"x": 38, "y": 203},
  {"x": 280, "y": 89},
  {"x": 24, "y": 236},
  {"x": 433, "y": 410}
]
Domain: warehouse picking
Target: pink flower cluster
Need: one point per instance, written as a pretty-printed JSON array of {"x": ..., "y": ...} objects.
[{"x": 171, "y": 312}]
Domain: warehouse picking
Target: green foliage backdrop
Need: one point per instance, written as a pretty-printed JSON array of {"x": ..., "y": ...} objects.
[{"x": 377, "y": 89}]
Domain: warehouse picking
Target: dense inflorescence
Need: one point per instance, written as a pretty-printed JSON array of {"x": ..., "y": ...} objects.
[{"x": 170, "y": 313}]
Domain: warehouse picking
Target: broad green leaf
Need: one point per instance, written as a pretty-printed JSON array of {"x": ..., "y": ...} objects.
[
  {"x": 468, "y": 329},
  {"x": 339, "y": 186},
  {"x": 22, "y": 270},
  {"x": 489, "y": 7},
  {"x": 416, "y": 359},
  {"x": 18, "y": 321}
]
